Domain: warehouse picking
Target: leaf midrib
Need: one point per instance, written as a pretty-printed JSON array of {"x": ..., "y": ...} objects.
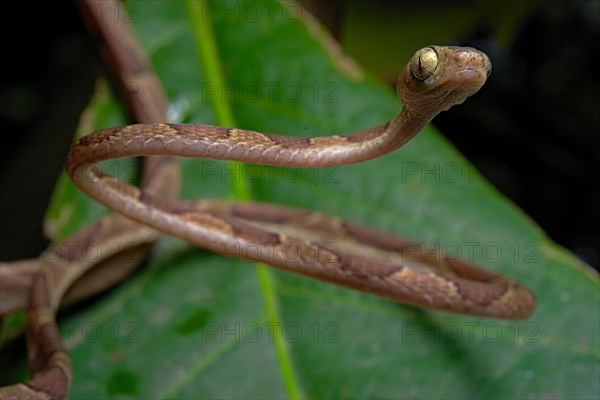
[{"x": 210, "y": 61}]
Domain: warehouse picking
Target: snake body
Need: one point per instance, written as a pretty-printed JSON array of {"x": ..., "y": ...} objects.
[{"x": 435, "y": 79}]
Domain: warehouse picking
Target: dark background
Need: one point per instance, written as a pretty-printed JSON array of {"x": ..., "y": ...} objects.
[{"x": 535, "y": 136}]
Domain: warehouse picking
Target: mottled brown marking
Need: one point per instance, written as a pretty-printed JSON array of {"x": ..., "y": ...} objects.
[
  {"x": 100, "y": 136},
  {"x": 433, "y": 287},
  {"x": 249, "y": 137},
  {"x": 367, "y": 134},
  {"x": 207, "y": 221},
  {"x": 321, "y": 223},
  {"x": 167, "y": 130},
  {"x": 305, "y": 253},
  {"x": 479, "y": 292},
  {"x": 253, "y": 234},
  {"x": 328, "y": 141},
  {"x": 408, "y": 250},
  {"x": 174, "y": 207},
  {"x": 365, "y": 268},
  {"x": 208, "y": 132},
  {"x": 517, "y": 299},
  {"x": 289, "y": 142},
  {"x": 470, "y": 272},
  {"x": 324, "y": 255}
]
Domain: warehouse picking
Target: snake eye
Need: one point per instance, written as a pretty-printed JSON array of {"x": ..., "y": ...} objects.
[{"x": 424, "y": 63}]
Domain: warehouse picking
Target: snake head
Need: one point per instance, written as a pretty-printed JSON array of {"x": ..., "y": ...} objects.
[{"x": 438, "y": 77}]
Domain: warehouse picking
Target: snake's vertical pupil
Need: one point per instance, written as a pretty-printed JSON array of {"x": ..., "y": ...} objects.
[{"x": 424, "y": 63}]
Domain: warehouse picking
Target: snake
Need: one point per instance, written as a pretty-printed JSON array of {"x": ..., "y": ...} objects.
[{"x": 435, "y": 79}]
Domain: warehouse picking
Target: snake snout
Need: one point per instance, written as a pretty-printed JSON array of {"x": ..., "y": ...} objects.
[
  {"x": 472, "y": 67},
  {"x": 468, "y": 70}
]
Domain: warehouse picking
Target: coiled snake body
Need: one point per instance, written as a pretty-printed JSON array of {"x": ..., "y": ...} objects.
[{"x": 435, "y": 79}]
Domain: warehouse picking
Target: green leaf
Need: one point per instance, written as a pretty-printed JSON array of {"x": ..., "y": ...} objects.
[{"x": 195, "y": 324}]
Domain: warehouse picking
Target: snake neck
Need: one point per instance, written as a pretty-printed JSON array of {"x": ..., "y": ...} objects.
[
  {"x": 246, "y": 146},
  {"x": 383, "y": 139}
]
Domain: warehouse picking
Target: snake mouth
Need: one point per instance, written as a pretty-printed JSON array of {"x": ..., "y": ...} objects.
[
  {"x": 472, "y": 68},
  {"x": 469, "y": 73},
  {"x": 475, "y": 69},
  {"x": 471, "y": 77}
]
